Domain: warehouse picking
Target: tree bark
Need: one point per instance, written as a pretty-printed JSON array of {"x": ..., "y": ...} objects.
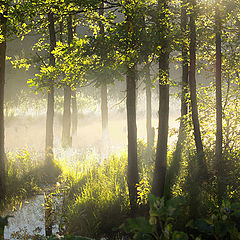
[
  {"x": 161, "y": 155},
  {"x": 104, "y": 98},
  {"x": 50, "y": 102},
  {"x": 219, "y": 138},
  {"x": 3, "y": 47},
  {"x": 132, "y": 137},
  {"x": 150, "y": 131},
  {"x": 66, "y": 131},
  {"x": 193, "y": 93},
  {"x": 175, "y": 165}
]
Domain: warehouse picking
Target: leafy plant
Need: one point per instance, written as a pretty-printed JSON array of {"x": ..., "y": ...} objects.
[
  {"x": 221, "y": 224},
  {"x": 160, "y": 224}
]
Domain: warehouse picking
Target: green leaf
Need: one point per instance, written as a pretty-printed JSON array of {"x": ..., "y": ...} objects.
[{"x": 179, "y": 236}]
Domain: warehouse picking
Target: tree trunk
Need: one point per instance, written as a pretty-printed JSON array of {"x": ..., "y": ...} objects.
[
  {"x": 177, "y": 155},
  {"x": 2, "y": 83},
  {"x": 50, "y": 102},
  {"x": 150, "y": 131},
  {"x": 74, "y": 113},
  {"x": 66, "y": 131},
  {"x": 104, "y": 98},
  {"x": 219, "y": 138},
  {"x": 132, "y": 137},
  {"x": 161, "y": 155},
  {"x": 104, "y": 111},
  {"x": 193, "y": 94}
]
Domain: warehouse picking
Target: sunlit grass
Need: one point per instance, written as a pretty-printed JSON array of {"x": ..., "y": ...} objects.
[
  {"x": 27, "y": 175},
  {"x": 96, "y": 193}
]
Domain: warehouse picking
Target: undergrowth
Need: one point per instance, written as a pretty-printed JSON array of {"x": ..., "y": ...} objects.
[
  {"x": 96, "y": 194},
  {"x": 27, "y": 175}
]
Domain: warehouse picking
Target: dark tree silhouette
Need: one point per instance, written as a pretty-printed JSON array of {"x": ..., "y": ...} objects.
[
  {"x": 176, "y": 161},
  {"x": 193, "y": 93},
  {"x": 161, "y": 155},
  {"x": 219, "y": 133}
]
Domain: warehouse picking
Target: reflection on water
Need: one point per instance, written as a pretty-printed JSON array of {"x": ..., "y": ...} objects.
[{"x": 29, "y": 220}]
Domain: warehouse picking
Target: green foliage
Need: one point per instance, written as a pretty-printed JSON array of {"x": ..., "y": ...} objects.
[
  {"x": 222, "y": 223},
  {"x": 163, "y": 215}
]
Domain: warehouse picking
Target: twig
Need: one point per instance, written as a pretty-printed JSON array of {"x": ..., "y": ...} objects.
[{"x": 119, "y": 102}]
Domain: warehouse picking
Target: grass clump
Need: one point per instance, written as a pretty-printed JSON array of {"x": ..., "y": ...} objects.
[{"x": 96, "y": 199}]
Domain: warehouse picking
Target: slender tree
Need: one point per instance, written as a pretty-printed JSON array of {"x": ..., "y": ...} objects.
[
  {"x": 104, "y": 94},
  {"x": 175, "y": 165},
  {"x": 66, "y": 130},
  {"x": 50, "y": 102},
  {"x": 163, "y": 61},
  {"x": 74, "y": 106},
  {"x": 150, "y": 133},
  {"x": 219, "y": 133},
  {"x": 193, "y": 93},
  {"x": 3, "y": 46}
]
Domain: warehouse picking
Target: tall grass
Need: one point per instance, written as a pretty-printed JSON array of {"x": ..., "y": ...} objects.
[
  {"x": 96, "y": 194},
  {"x": 27, "y": 175}
]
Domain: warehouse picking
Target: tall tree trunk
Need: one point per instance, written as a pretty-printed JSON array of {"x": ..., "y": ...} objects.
[
  {"x": 132, "y": 137},
  {"x": 161, "y": 155},
  {"x": 74, "y": 113},
  {"x": 193, "y": 93},
  {"x": 74, "y": 106},
  {"x": 175, "y": 165},
  {"x": 66, "y": 131},
  {"x": 50, "y": 102},
  {"x": 150, "y": 133},
  {"x": 219, "y": 137},
  {"x": 104, "y": 98},
  {"x": 2, "y": 83}
]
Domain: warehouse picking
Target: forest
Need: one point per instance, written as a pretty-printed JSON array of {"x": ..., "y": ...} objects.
[{"x": 119, "y": 119}]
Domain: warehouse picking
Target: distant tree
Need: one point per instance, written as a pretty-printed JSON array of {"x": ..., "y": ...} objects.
[
  {"x": 104, "y": 88},
  {"x": 3, "y": 24},
  {"x": 50, "y": 102},
  {"x": 147, "y": 51},
  {"x": 66, "y": 130}
]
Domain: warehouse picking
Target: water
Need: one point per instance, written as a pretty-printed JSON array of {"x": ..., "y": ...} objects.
[{"x": 29, "y": 220}]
